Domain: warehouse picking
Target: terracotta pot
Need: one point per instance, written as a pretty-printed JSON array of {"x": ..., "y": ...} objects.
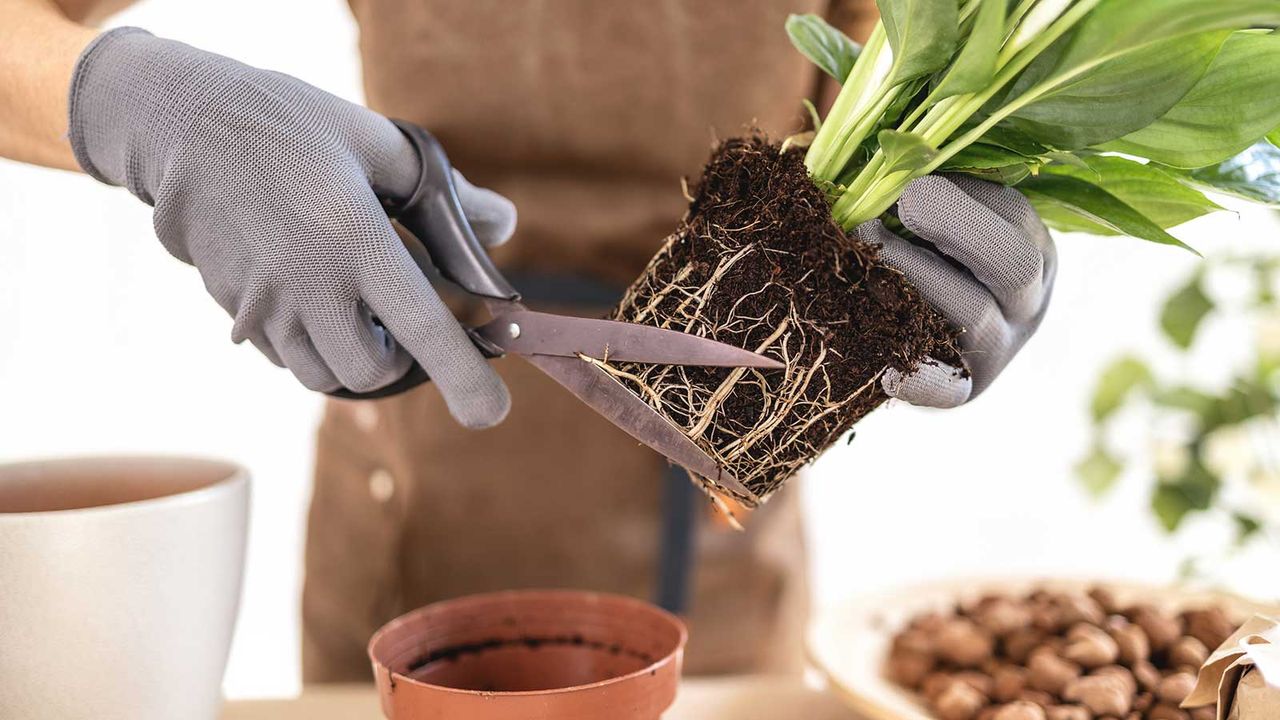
[{"x": 529, "y": 654}]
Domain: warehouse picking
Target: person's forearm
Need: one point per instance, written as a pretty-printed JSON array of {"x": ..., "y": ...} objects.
[{"x": 39, "y": 46}]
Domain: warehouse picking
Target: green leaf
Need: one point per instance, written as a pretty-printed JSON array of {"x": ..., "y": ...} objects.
[
  {"x": 1197, "y": 483},
  {"x": 1009, "y": 175},
  {"x": 1184, "y": 311},
  {"x": 922, "y": 33},
  {"x": 1194, "y": 490},
  {"x": 1239, "y": 404},
  {"x": 984, "y": 156},
  {"x": 975, "y": 67},
  {"x": 908, "y": 95},
  {"x": 1252, "y": 175},
  {"x": 1150, "y": 190},
  {"x": 905, "y": 151},
  {"x": 1186, "y": 398},
  {"x": 1234, "y": 105},
  {"x": 1191, "y": 570},
  {"x": 1065, "y": 220},
  {"x": 1010, "y": 139},
  {"x": 1274, "y": 137},
  {"x": 991, "y": 163},
  {"x": 1125, "y": 65},
  {"x": 1063, "y": 157},
  {"x": 1116, "y": 383},
  {"x": 1265, "y": 295},
  {"x": 825, "y": 46},
  {"x": 814, "y": 116},
  {"x": 1117, "y": 26},
  {"x": 1094, "y": 204},
  {"x": 1171, "y": 506},
  {"x": 1246, "y": 527},
  {"x": 1098, "y": 471},
  {"x": 1082, "y": 105}
]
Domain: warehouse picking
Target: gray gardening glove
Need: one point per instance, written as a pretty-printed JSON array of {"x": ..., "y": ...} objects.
[
  {"x": 272, "y": 189},
  {"x": 998, "y": 303}
]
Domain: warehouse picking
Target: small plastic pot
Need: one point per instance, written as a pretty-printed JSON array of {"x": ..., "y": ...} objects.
[{"x": 529, "y": 654}]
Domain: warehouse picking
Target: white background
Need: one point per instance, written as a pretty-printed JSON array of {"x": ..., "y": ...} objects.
[{"x": 110, "y": 345}]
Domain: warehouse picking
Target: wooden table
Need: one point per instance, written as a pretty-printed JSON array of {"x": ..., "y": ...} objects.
[{"x": 740, "y": 698}]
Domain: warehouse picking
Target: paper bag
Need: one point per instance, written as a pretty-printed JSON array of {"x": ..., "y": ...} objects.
[{"x": 1243, "y": 674}]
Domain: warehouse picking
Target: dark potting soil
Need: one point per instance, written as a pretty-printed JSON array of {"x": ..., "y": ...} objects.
[
  {"x": 453, "y": 652},
  {"x": 489, "y": 666},
  {"x": 760, "y": 224}
]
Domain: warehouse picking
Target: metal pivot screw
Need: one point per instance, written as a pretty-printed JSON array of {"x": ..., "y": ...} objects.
[{"x": 513, "y": 330}]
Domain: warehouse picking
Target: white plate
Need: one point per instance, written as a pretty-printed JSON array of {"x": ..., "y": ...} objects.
[{"x": 848, "y": 644}]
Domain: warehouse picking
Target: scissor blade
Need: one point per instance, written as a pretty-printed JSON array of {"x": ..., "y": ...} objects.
[
  {"x": 623, "y": 408},
  {"x": 533, "y": 333}
]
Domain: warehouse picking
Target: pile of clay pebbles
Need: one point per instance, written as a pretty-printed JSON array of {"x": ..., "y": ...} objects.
[{"x": 1057, "y": 656}]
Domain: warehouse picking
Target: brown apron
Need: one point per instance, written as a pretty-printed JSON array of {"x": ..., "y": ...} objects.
[{"x": 586, "y": 113}]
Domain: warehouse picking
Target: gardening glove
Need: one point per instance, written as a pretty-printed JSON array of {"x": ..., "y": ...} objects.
[
  {"x": 274, "y": 191},
  {"x": 991, "y": 275}
]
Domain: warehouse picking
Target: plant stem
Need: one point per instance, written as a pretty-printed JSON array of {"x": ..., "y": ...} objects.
[
  {"x": 865, "y": 83},
  {"x": 871, "y": 196},
  {"x": 924, "y": 108},
  {"x": 1016, "y": 16}
]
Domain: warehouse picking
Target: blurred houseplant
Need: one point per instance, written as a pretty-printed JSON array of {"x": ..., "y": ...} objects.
[{"x": 1215, "y": 447}]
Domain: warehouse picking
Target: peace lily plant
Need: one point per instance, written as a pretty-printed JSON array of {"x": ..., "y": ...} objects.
[{"x": 1111, "y": 116}]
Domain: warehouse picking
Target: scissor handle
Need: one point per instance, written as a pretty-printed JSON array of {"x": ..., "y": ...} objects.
[
  {"x": 410, "y": 380},
  {"x": 416, "y": 375},
  {"x": 433, "y": 214}
]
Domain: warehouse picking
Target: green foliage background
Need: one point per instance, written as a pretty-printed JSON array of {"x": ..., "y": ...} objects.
[{"x": 1240, "y": 419}]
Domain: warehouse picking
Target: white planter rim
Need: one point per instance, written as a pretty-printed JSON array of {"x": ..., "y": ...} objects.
[{"x": 226, "y": 477}]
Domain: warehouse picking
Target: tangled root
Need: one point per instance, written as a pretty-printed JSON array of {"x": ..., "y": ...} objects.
[{"x": 759, "y": 263}]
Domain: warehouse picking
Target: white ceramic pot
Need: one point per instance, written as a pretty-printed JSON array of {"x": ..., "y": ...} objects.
[{"x": 119, "y": 585}]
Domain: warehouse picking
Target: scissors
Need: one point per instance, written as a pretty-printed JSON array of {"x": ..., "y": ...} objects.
[{"x": 560, "y": 346}]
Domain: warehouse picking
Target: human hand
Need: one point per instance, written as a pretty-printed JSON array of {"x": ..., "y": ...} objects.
[
  {"x": 997, "y": 300},
  {"x": 274, "y": 191}
]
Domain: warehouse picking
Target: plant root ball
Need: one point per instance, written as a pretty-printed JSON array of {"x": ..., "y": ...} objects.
[{"x": 759, "y": 263}]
